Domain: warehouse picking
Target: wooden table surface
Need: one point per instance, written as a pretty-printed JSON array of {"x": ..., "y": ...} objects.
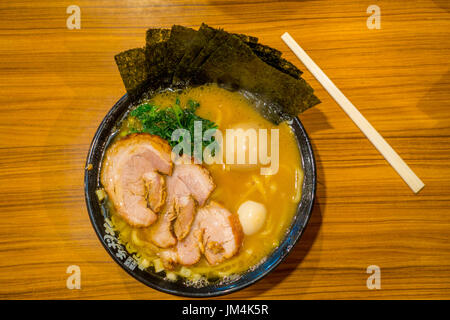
[{"x": 56, "y": 85}]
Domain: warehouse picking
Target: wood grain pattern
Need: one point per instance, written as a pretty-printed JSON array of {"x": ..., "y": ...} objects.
[{"x": 56, "y": 85}]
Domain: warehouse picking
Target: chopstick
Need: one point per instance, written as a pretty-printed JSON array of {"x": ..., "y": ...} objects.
[{"x": 377, "y": 140}]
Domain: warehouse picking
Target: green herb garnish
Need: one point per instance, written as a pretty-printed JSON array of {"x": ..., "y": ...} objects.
[{"x": 163, "y": 121}]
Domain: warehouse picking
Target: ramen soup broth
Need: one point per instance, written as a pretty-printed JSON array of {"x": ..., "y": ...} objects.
[{"x": 279, "y": 193}]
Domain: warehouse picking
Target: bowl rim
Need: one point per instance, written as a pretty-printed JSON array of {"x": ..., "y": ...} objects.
[{"x": 296, "y": 237}]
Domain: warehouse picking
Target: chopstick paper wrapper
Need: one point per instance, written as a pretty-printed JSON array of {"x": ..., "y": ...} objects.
[{"x": 377, "y": 140}]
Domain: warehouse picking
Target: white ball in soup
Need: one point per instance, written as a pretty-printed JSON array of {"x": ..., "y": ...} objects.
[
  {"x": 245, "y": 145},
  {"x": 252, "y": 216}
]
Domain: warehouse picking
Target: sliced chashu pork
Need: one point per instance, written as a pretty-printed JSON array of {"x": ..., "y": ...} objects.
[
  {"x": 216, "y": 232},
  {"x": 155, "y": 190},
  {"x": 188, "y": 182},
  {"x": 130, "y": 176},
  {"x": 222, "y": 235},
  {"x": 185, "y": 209}
]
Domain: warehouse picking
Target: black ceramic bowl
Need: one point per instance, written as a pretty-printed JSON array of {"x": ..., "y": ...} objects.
[{"x": 99, "y": 215}]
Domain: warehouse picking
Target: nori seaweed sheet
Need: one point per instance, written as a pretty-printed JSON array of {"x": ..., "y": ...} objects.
[
  {"x": 249, "y": 40},
  {"x": 261, "y": 50},
  {"x": 181, "y": 56},
  {"x": 269, "y": 55},
  {"x": 156, "y": 35},
  {"x": 285, "y": 66},
  {"x": 273, "y": 57},
  {"x": 219, "y": 36},
  {"x": 133, "y": 69},
  {"x": 235, "y": 65},
  {"x": 185, "y": 68},
  {"x": 155, "y": 48},
  {"x": 180, "y": 39},
  {"x": 200, "y": 49}
]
